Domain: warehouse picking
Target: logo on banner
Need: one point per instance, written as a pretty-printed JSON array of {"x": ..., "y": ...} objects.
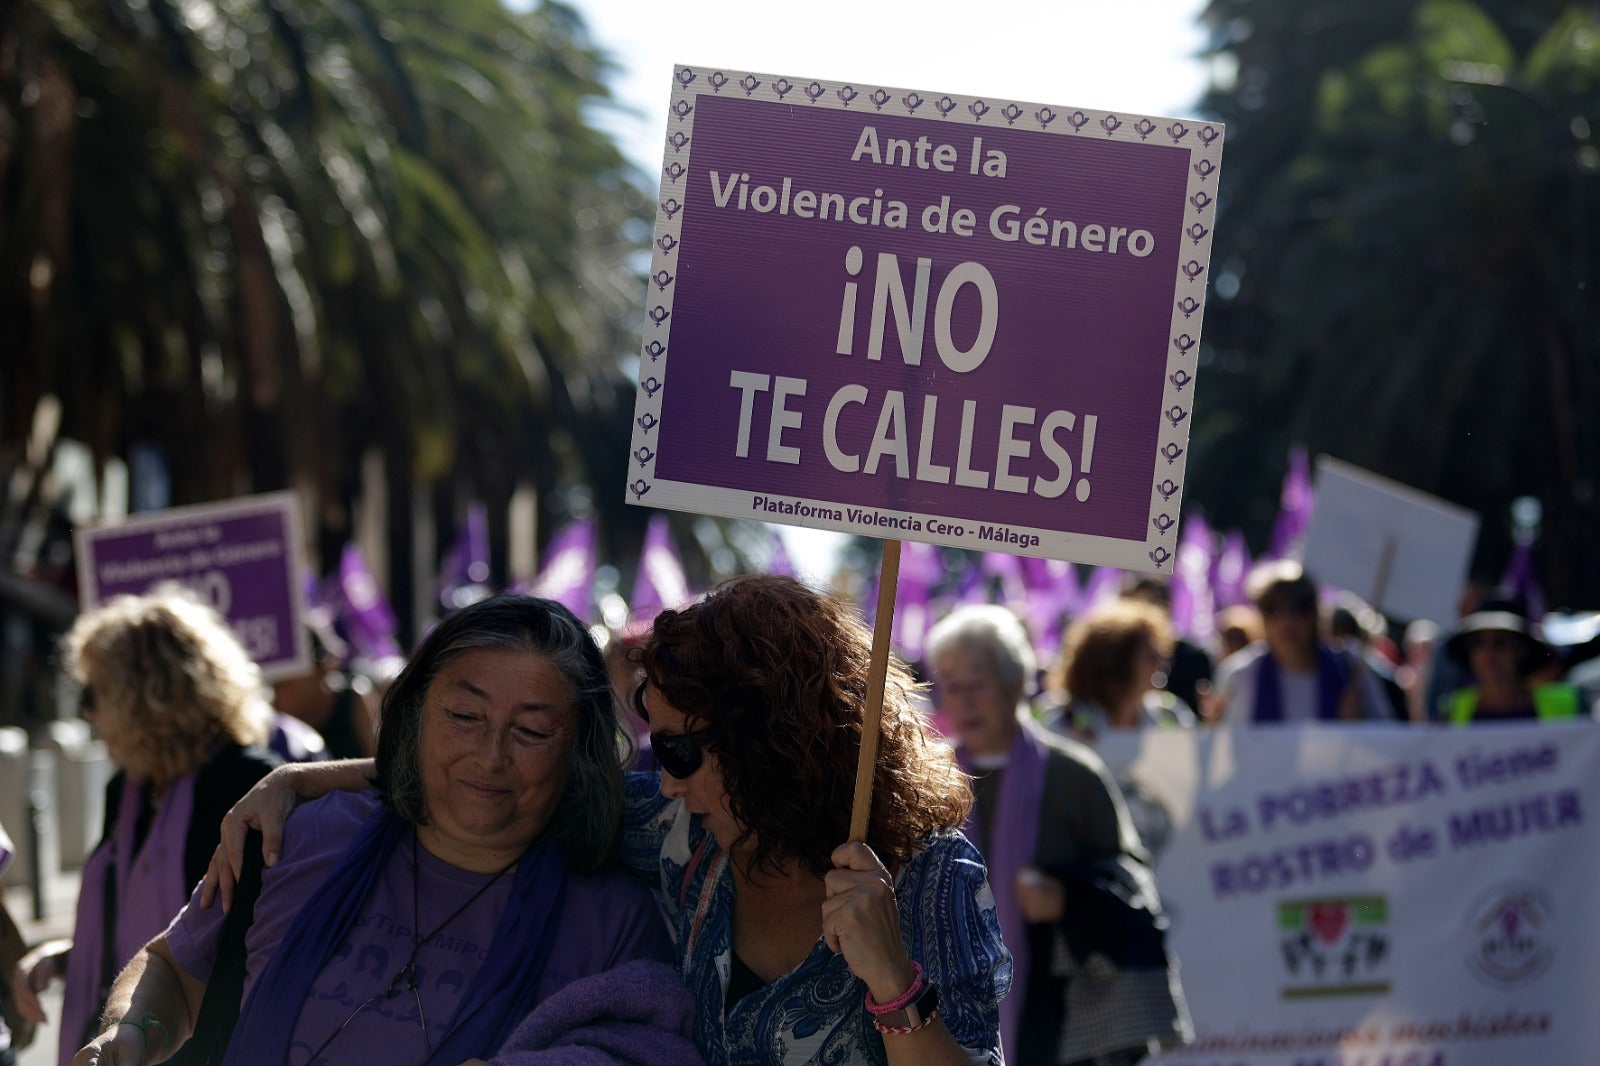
[
  {"x": 1336, "y": 946},
  {"x": 1510, "y": 930}
]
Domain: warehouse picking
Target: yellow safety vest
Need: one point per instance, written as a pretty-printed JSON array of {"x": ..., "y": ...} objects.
[{"x": 1551, "y": 702}]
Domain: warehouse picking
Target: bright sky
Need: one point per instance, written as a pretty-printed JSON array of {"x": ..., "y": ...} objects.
[{"x": 1124, "y": 55}]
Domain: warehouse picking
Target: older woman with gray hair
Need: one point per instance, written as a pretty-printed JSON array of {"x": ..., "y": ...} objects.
[
  {"x": 466, "y": 906},
  {"x": 798, "y": 948},
  {"x": 1050, "y": 821}
]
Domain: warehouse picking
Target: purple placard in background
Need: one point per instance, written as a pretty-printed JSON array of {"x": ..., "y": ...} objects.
[
  {"x": 241, "y": 556},
  {"x": 1060, "y": 316}
]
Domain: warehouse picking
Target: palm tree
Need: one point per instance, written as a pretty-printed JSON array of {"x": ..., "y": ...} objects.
[
  {"x": 270, "y": 235},
  {"x": 1405, "y": 258}
]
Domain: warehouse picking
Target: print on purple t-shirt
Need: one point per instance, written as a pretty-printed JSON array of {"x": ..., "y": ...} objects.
[{"x": 607, "y": 919}]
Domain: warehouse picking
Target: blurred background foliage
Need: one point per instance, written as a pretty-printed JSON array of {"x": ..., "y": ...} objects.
[
  {"x": 1404, "y": 265},
  {"x": 278, "y": 238},
  {"x": 376, "y": 248}
]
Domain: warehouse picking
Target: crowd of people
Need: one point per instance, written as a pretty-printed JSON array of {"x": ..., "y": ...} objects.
[{"x": 637, "y": 848}]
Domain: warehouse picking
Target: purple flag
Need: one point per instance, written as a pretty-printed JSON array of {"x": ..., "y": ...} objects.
[
  {"x": 778, "y": 562},
  {"x": 1296, "y": 502},
  {"x": 568, "y": 572},
  {"x": 660, "y": 582},
  {"x": 1053, "y": 597},
  {"x": 464, "y": 574},
  {"x": 1053, "y": 578},
  {"x": 1521, "y": 580},
  {"x": 1193, "y": 612},
  {"x": 364, "y": 614},
  {"x": 312, "y": 593},
  {"x": 1040, "y": 612},
  {"x": 322, "y": 602},
  {"x": 1105, "y": 584},
  {"x": 1229, "y": 571},
  {"x": 1008, "y": 568},
  {"x": 324, "y": 617},
  {"x": 973, "y": 585},
  {"x": 923, "y": 562},
  {"x": 921, "y": 569}
]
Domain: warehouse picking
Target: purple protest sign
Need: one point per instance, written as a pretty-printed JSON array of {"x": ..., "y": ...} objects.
[
  {"x": 1297, "y": 505},
  {"x": 568, "y": 572},
  {"x": 925, "y": 317},
  {"x": 241, "y": 556}
]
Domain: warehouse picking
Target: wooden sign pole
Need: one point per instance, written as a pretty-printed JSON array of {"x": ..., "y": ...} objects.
[
  {"x": 1380, "y": 583},
  {"x": 872, "y": 713}
]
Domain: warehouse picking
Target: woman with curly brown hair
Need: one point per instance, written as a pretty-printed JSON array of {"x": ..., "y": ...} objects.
[
  {"x": 798, "y": 947},
  {"x": 1107, "y": 676},
  {"x": 793, "y": 942},
  {"x": 177, "y": 702}
]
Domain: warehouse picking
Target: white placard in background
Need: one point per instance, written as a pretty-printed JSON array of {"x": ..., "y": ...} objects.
[{"x": 1405, "y": 552}]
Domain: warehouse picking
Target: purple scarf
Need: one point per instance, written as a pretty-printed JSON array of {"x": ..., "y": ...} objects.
[
  {"x": 639, "y": 1014},
  {"x": 1333, "y": 677},
  {"x": 501, "y": 994},
  {"x": 1016, "y": 832},
  {"x": 149, "y": 887}
]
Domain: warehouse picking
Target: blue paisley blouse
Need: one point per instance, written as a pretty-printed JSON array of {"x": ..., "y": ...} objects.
[{"x": 815, "y": 1013}]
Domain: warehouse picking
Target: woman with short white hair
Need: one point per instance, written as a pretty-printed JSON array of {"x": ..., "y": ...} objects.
[{"x": 1043, "y": 803}]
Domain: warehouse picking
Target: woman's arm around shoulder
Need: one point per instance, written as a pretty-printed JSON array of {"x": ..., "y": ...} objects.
[{"x": 267, "y": 807}]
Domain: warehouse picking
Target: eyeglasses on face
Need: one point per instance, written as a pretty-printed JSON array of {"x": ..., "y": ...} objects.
[{"x": 680, "y": 754}]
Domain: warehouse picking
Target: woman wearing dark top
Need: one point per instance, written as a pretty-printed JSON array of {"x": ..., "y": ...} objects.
[{"x": 175, "y": 699}]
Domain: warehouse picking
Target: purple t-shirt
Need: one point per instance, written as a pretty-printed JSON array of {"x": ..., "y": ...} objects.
[{"x": 607, "y": 919}]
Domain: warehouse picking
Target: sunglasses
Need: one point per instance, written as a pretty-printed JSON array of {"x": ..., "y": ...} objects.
[
  {"x": 680, "y": 754},
  {"x": 86, "y": 700}
]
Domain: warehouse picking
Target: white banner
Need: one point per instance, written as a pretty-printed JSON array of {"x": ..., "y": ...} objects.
[{"x": 1379, "y": 896}]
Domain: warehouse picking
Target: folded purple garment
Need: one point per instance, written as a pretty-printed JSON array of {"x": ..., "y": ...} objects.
[{"x": 639, "y": 1014}]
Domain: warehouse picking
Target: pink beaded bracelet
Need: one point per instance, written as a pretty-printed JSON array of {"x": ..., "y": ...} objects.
[{"x": 901, "y": 1001}]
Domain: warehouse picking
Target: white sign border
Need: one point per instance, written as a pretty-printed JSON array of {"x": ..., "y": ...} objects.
[
  {"x": 285, "y": 503},
  {"x": 1158, "y": 551}
]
